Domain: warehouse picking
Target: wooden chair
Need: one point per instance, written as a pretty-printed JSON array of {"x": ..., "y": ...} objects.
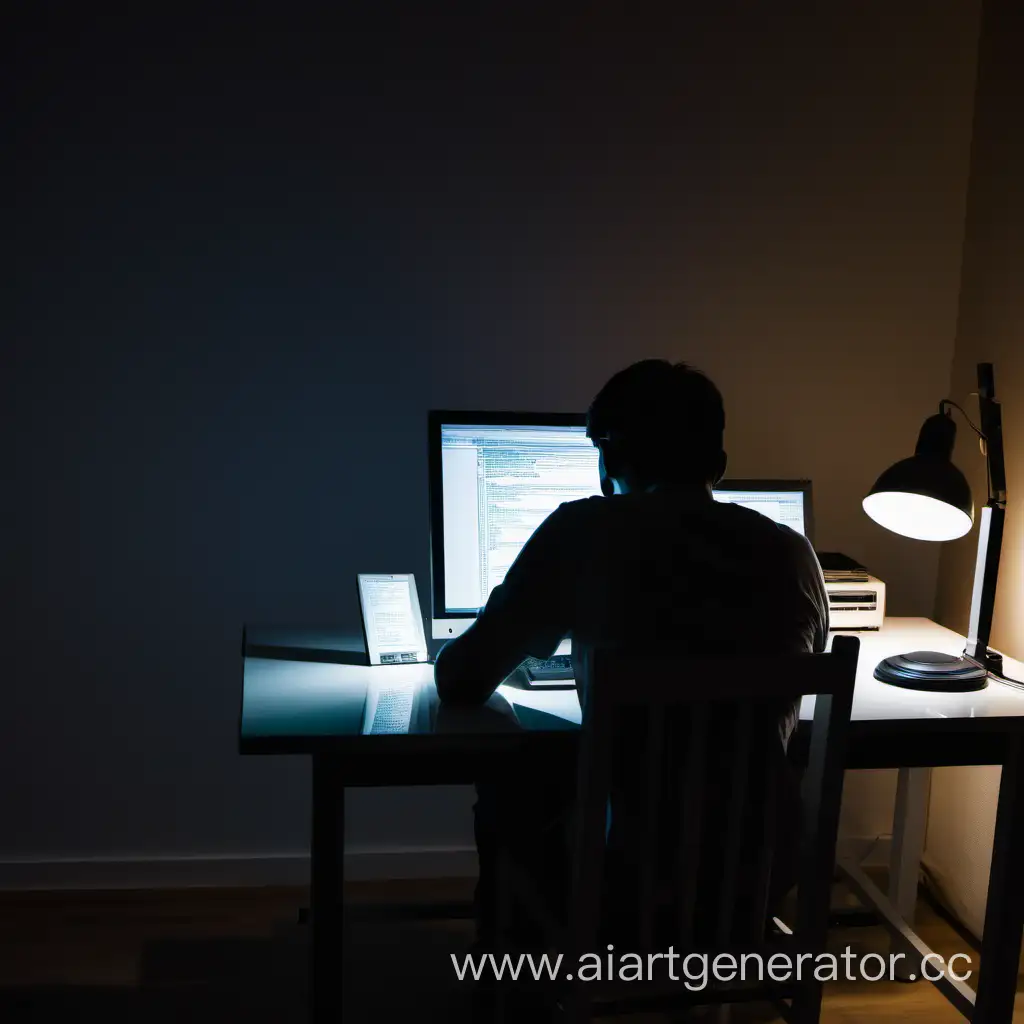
[{"x": 694, "y": 742}]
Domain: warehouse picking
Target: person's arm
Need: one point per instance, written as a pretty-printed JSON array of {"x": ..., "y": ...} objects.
[
  {"x": 526, "y": 615},
  {"x": 817, "y": 593},
  {"x": 811, "y": 616},
  {"x": 805, "y": 612}
]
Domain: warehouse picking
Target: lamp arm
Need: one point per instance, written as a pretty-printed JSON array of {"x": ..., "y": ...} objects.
[{"x": 990, "y": 532}]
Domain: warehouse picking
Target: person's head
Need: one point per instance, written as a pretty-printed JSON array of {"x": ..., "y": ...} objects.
[{"x": 658, "y": 423}]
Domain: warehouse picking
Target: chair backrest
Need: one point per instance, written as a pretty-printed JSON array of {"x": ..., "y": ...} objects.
[{"x": 686, "y": 755}]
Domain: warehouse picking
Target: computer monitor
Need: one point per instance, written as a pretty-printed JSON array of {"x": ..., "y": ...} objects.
[
  {"x": 495, "y": 477},
  {"x": 788, "y": 502}
]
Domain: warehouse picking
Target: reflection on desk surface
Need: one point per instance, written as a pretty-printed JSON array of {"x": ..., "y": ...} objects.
[
  {"x": 877, "y": 701},
  {"x": 292, "y": 699},
  {"x": 283, "y": 699}
]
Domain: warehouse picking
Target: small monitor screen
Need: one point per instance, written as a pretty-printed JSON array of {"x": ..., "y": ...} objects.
[{"x": 783, "y": 504}]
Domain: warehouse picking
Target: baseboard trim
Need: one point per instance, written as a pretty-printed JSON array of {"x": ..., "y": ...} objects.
[{"x": 231, "y": 871}]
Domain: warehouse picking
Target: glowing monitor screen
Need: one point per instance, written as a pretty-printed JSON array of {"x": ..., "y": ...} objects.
[
  {"x": 784, "y": 503},
  {"x": 499, "y": 482}
]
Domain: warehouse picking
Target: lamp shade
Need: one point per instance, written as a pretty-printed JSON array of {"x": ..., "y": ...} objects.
[{"x": 925, "y": 497}]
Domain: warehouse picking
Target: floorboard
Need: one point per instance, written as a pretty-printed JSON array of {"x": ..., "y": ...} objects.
[{"x": 238, "y": 955}]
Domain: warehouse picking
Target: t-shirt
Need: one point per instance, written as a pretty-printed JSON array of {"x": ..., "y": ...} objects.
[
  {"x": 663, "y": 571},
  {"x": 667, "y": 570}
]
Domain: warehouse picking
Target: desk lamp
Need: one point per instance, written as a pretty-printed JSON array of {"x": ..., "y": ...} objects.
[{"x": 926, "y": 497}]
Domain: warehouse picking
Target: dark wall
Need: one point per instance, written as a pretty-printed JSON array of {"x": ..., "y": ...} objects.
[{"x": 250, "y": 254}]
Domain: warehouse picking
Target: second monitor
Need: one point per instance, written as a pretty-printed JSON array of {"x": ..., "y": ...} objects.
[{"x": 495, "y": 477}]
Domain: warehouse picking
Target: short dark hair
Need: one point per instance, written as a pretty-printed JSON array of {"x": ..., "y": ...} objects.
[{"x": 666, "y": 419}]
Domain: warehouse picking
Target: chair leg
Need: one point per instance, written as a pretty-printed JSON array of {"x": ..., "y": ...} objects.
[
  {"x": 806, "y": 1005},
  {"x": 504, "y": 898},
  {"x": 577, "y": 1006},
  {"x": 504, "y": 1009}
]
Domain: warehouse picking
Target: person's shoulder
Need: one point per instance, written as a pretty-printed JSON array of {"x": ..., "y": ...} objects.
[
  {"x": 583, "y": 516},
  {"x": 565, "y": 528},
  {"x": 746, "y": 520},
  {"x": 797, "y": 552},
  {"x": 581, "y": 509},
  {"x": 757, "y": 522},
  {"x": 794, "y": 540},
  {"x": 782, "y": 538},
  {"x": 791, "y": 541}
]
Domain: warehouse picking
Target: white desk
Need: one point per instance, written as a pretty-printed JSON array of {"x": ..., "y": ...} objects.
[
  {"x": 316, "y": 709},
  {"x": 873, "y": 701},
  {"x": 919, "y": 720}
]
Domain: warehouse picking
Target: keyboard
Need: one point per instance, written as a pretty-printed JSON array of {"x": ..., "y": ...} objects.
[
  {"x": 394, "y": 707},
  {"x": 543, "y": 669}
]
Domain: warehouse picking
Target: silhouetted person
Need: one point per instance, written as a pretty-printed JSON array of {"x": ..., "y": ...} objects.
[{"x": 657, "y": 565}]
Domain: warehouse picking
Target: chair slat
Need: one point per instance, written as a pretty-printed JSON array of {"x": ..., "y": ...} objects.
[
  {"x": 766, "y": 849},
  {"x": 691, "y": 821},
  {"x": 742, "y": 738},
  {"x": 649, "y": 860},
  {"x": 690, "y": 690},
  {"x": 588, "y": 855}
]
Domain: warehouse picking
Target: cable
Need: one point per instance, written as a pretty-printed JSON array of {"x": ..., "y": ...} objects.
[
  {"x": 949, "y": 401},
  {"x": 998, "y": 676},
  {"x": 977, "y": 430},
  {"x": 1006, "y": 679}
]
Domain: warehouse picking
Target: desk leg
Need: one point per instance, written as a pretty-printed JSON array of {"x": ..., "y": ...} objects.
[
  {"x": 326, "y": 880},
  {"x": 1004, "y": 908},
  {"x": 910, "y": 818}
]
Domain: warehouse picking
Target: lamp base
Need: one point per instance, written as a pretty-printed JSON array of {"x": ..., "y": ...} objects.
[{"x": 933, "y": 672}]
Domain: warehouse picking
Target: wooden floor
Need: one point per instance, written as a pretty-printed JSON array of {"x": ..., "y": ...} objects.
[{"x": 238, "y": 955}]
